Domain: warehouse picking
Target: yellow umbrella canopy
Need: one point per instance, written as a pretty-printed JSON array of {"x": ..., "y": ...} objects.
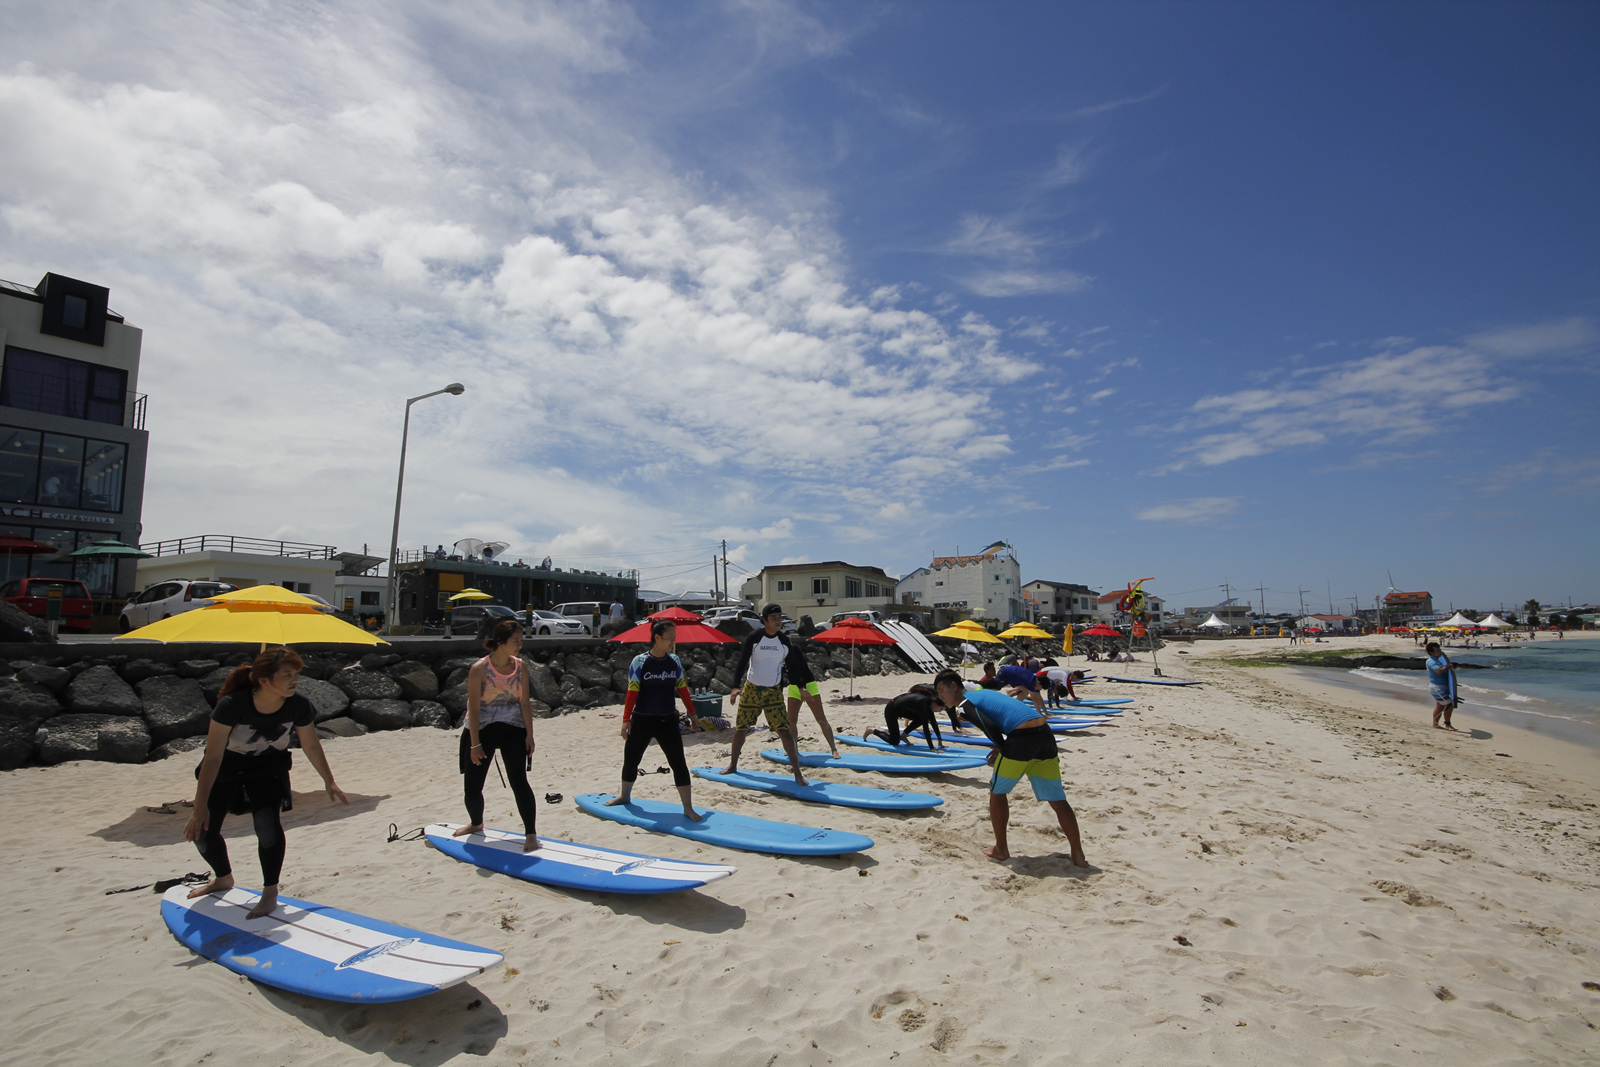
[
  {"x": 472, "y": 594},
  {"x": 1025, "y": 629},
  {"x": 967, "y": 633},
  {"x": 274, "y": 595},
  {"x": 244, "y": 622}
]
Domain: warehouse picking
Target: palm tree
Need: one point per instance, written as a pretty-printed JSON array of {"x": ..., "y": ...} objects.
[{"x": 1532, "y": 608}]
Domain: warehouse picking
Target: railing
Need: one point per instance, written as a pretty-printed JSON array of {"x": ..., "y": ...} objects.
[
  {"x": 230, "y": 543},
  {"x": 139, "y": 409},
  {"x": 412, "y": 555}
]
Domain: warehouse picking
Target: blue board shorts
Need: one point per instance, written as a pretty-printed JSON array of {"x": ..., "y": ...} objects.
[
  {"x": 1043, "y": 774},
  {"x": 1440, "y": 693}
]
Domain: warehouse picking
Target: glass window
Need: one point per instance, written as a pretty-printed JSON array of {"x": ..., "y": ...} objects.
[
  {"x": 60, "y": 470},
  {"x": 103, "y": 471},
  {"x": 821, "y": 586},
  {"x": 785, "y": 585},
  {"x": 369, "y": 598},
  {"x": 19, "y": 464},
  {"x": 55, "y": 385},
  {"x": 74, "y": 312},
  {"x": 852, "y": 587},
  {"x": 65, "y": 541}
]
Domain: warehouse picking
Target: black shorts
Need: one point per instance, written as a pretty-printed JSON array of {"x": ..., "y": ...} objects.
[{"x": 1024, "y": 746}]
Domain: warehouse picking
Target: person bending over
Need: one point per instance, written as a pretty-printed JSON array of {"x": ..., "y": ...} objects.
[
  {"x": 803, "y": 686},
  {"x": 917, "y": 708},
  {"x": 988, "y": 681},
  {"x": 1019, "y": 681},
  {"x": 1023, "y": 745},
  {"x": 246, "y": 768},
  {"x": 1058, "y": 684},
  {"x": 499, "y": 719},
  {"x": 655, "y": 678},
  {"x": 760, "y": 665}
]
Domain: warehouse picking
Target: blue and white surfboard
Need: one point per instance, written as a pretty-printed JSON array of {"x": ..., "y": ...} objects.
[{"x": 571, "y": 866}]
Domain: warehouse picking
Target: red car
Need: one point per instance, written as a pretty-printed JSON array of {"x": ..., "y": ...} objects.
[{"x": 30, "y": 594}]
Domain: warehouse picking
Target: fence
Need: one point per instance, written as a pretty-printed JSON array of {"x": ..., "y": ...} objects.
[{"x": 230, "y": 543}]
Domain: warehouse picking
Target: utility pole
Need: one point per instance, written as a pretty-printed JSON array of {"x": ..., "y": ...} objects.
[
  {"x": 725, "y": 589},
  {"x": 1262, "y": 589},
  {"x": 1302, "y": 593},
  {"x": 716, "y": 594}
]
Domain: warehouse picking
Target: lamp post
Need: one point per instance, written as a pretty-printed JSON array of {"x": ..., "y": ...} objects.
[{"x": 454, "y": 389}]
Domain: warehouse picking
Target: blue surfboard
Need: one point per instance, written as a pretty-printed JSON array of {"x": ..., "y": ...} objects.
[
  {"x": 572, "y": 866},
  {"x": 918, "y": 763},
  {"x": 1150, "y": 681},
  {"x": 722, "y": 828},
  {"x": 1099, "y": 702},
  {"x": 819, "y": 792},
  {"x": 320, "y": 951}
]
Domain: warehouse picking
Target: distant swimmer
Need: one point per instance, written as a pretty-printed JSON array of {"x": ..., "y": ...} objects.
[
  {"x": 1441, "y": 685},
  {"x": 1023, "y": 745},
  {"x": 655, "y": 679},
  {"x": 761, "y": 662}
]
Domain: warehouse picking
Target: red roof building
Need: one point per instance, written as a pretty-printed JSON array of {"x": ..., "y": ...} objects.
[{"x": 1409, "y": 603}]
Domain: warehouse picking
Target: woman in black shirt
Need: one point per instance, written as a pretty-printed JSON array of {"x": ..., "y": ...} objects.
[{"x": 246, "y": 767}]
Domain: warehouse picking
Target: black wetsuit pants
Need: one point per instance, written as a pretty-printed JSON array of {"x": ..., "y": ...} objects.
[
  {"x": 663, "y": 730},
  {"x": 512, "y": 744},
  {"x": 270, "y": 845}
]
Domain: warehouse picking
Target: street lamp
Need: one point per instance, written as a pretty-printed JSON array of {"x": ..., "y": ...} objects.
[{"x": 454, "y": 389}]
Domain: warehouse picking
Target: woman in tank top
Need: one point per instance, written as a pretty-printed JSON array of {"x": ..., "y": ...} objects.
[{"x": 499, "y": 719}]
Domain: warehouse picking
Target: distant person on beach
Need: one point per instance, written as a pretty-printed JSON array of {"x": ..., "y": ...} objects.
[
  {"x": 1023, "y": 745},
  {"x": 803, "y": 686},
  {"x": 246, "y": 767},
  {"x": 917, "y": 708},
  {"x": 616, "y": 611},
  {"x": 760, "y": 667},
  {"x": 1439, "y": 669},
  {"x": 1021, "y": 682},
  {"x": 655, "y": 679},
  {"x": 1058, "y": 683},
  {"x": 988, "y": 681},
  {"x": 499, "y": 719}
]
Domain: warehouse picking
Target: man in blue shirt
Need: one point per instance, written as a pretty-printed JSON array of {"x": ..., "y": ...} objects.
[
  {"x": 1441, "y": 685},
  {"x": 1023, "y": 745},
  {"x": 1021, "y": 682}
]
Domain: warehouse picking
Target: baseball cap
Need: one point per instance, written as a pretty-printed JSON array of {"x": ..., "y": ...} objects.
[{"x": 772, "y": 609}]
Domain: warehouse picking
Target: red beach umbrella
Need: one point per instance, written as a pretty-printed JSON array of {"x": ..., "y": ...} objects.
[
  {"x": 853, "y": 631},
  {"x": 1101, "y": 630},
  {"x": 689, "y": 633},
  {"x": 676, "y": 614}
]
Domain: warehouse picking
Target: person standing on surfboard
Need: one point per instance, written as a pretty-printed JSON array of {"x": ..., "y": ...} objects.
[
  {"x": 654, "y": 679},
  {"x": 1023, "y": 745},
  {"x": 499, "y": 719},
  {"x": 1441, "y": 685},
  {"x": 760, "y": 665},
  {"x": 803, "y": 686},
  {"x": 246, "y": 767}
]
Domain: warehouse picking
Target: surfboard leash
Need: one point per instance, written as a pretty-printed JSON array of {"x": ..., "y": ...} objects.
[
  {"x": 192, "y": 878},
  {"x": 410, "y": 835}
]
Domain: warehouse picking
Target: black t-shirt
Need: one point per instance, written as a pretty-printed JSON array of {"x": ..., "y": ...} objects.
[
  {"x": 797, "y": 669},
  {"x": 254, "y": 734}
]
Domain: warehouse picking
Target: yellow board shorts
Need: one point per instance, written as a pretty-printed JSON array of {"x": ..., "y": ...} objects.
[
  {"x": 758, "y": 700},
  {"x": 1043, "y": 774},
  {"x": 810, "y": 688}
]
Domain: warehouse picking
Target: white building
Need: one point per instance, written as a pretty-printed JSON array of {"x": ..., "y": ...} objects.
[
  {"x": 1059, "y": 601},
  {"x": 244, "y": 561},
  {"x": 821, "y": 590},
  {"x": 986, "y": 587}
]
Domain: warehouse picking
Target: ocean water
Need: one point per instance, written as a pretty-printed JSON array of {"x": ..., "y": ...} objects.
[{"x": 1548, "y": 687}]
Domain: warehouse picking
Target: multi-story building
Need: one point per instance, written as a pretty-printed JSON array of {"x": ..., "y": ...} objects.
[
  {"x": 1399, "y": 606},
  {"x": 1058, "y": 601},
  {"x": 1233, "y": 611},
  {"x": 72, "y": 436},
  {"x": 821, "y": 589},
  {"x": 987, "y": 586}
]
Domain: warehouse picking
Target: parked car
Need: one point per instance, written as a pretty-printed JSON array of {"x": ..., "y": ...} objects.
[
  {"x": 33, "y": 596},
  {"x": 718, "y": 616},
  {"x": 583, "y": 612},
  {"x": 165, "y": 599},
  {"x": 870, "y": 616},
  {"x": 551, "y": 622},
  {"x": 477, "y": 618}
]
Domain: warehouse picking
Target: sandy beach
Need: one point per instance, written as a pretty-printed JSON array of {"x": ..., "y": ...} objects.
[{"x": 1283, "y": 871}]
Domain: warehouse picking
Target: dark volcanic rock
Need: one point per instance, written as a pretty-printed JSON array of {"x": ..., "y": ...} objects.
[
  {"x": 360, "y": 684},
  {"x": 430, "y": 713},
  {"x": 177, "y": 747},
  {"x": 455, "y": 701},
  {"x": 590, "y": 671},
  {"x": 341, "y": 727},
  {"x": 456, "y": 677},
  {"x": 328, "y": 699},
  {"x": 211, "y": 684},
  {"x": 99, "y": 691},
  {"x": 135, "y": 671},
  {"x": 377, "y": 661},
  {"x": 112, "y": 738},
  {"x": 417, "y": 680},
  {"x": 173, "y": 708},
  {"x": 197, "y": 668},
  {"x": 381, "y": 714},
  {"x": 22, "y": 708},
  {"x": 54, "y": 679},
  {"x": 18, "y": 627},
  {"x": 542, "y": 684}
]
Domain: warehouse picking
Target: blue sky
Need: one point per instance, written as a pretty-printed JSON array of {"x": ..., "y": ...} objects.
[{"x": 1293, "y": 294}]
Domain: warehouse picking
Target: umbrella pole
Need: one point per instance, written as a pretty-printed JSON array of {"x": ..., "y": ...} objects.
[
  {"x": 1153, "y": 662},
  {"x": 852, "y": 669}
]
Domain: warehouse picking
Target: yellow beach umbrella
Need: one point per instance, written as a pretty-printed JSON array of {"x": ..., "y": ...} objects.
[
  {"x": 967, "y": 633},
  {"x": 472, "y": 594},
  {"x": 274, "y": 595},
  {"x": 244, "y": 622},
  {"x": 1026, "y": 629}
]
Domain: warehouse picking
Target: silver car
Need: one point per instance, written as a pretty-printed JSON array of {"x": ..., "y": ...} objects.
[{"x": 546, "y": 623}]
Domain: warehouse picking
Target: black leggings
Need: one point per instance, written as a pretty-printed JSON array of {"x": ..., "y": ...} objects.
[
  {"x": 270, "y": 843},
  {"x": 663, "y": 729},
  {"x": 512, "y": 744}
]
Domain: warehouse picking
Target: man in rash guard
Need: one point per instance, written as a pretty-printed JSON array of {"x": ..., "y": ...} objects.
[
  {"x": 1023, "y": 745},
  {"x": 1020, "y": 682},
  {"x": 760, "y": 666},
  {"x": 917, "y": 707}
]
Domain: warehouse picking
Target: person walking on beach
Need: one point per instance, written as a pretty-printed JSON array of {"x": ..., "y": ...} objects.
[
  {"x": 655, "y": 679},
  {"x": 803, "y": 686},
  {"x": 1023, "y": 745},
  {"x": 1440, "y": 685},
  {"x": 246, "y": 767},
  {"x": 760, "y": 665},
  {"x": 499, "y": 719}
]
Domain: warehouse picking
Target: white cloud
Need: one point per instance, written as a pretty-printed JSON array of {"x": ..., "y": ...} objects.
[
  {"x": 1024, "y": 282},
  {"x": 1195, "y": 509},
  {"x": 1563, "y": 335}
]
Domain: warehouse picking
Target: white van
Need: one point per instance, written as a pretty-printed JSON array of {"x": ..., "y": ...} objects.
[{"x": 583, "y": 611}]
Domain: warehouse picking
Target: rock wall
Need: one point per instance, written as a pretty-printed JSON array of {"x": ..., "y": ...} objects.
[{"x": 105, "y": 702}]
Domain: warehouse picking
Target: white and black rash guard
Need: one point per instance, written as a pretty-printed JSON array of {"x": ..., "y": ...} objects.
[{"x": 761, "y": 659}]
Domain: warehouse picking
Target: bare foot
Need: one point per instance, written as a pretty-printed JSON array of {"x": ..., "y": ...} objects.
[
  {"x": 614, "y": 801},
  {"x": 217, "y": 885},
  {"x": 1078, "y": 860},
  {"x": 463, "y": 831},
  {"x": 798, "y": 780},
  {"x": 530, "y": 842},
  {"x": 692, "y": 815},
  {"x": 835, "y": 754},
  {"x": 268, "y": 901},
  {"x": 995, "y": 852},
  {"x": 732, "y": 768}
]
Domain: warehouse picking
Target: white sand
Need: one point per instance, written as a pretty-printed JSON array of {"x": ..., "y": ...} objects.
[{"x": 1333, "y": 864}]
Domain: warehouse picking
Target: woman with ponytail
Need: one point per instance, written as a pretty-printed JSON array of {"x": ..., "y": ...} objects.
[
  {"x": 246, "y": 767},
  {"x": 499, "y": 719},
  {"x": 655, "y": 679}
]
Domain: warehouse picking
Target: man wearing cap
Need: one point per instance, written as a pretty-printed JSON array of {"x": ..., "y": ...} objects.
[{"x": 760, "y": 666}]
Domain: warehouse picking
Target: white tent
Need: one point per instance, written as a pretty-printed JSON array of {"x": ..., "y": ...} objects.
[
  {"x": 1214, "y": 623},
  {"x": 1494, "y": 622},
  {"x": 1461, "y": 620}
]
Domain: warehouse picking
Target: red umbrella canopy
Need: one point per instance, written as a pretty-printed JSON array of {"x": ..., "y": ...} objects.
[
  {"x": 1100, "y": 631},
  {"x": 676, "y": 614},
  {"x": 854, "y": 632},
  {"x": 14, "y": 545},
  {"x": 689, "y": 633}
]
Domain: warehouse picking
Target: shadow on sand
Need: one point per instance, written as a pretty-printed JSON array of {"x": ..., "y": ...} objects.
[
  {"x": 149, "y": 829},
  {"x": 426, "y": 1031},
  {"x": 1055, "y": 865}
]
